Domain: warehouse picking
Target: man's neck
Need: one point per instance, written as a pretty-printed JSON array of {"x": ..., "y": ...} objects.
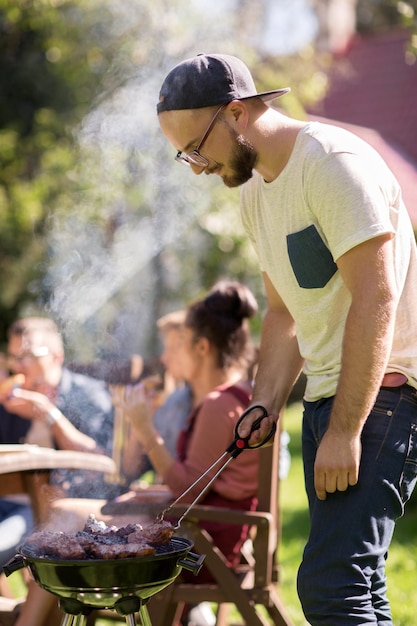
[{"x": 275, "y": 144}]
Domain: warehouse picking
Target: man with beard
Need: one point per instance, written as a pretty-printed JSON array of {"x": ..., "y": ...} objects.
[{"x": 339, "y": 262}]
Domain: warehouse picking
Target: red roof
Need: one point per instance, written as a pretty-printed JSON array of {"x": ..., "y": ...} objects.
[{"x": 373, "y": 89}]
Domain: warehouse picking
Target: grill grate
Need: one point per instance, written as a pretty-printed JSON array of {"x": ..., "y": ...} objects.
[{"x": 177, "y": 544}]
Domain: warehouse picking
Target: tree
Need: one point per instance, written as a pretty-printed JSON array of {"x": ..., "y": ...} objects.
[
  {"x": 97, "y": 225},
  {"x": 51, "y": 63}
]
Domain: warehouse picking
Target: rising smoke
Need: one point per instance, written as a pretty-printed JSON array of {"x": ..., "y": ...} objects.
[{"x": 121, "y": 250}]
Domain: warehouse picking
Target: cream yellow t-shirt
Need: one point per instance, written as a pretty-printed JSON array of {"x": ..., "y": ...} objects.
[{"x": 334, "y": 193}]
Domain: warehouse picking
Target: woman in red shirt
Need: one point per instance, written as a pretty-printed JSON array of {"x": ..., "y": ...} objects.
[{"x": 216, "y": 353}]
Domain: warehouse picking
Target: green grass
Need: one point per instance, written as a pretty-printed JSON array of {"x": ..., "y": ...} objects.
[
  {"x": 402, "y": 559},
  {"x": 294, "y": 518}
]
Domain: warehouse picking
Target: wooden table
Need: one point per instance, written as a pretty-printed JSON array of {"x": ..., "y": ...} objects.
[{"x": 25, "y": 469}]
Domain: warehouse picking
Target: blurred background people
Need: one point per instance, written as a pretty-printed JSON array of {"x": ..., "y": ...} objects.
[
  {"x": 53, "y": 407},
  {"x": 41, "y": 607},
  {"x": 170, "y": 406},
  {"x": 213, "y": 353},
  {"x": 170, "y": 417},
  {"x": 216, "y": 352}
]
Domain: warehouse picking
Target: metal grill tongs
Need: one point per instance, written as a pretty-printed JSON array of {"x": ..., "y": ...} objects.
[{"x": 234, "y": 449}]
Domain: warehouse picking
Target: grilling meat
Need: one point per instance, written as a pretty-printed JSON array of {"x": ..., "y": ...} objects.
[
  {"x": 96, "y": 527},
  {"x": 121, "y": 550},
  {"x": 100, "y": 529},
  {"x": 99, "y": 541},
  {"x": 157, "y": 534},
  {"x": 57, "y": 545}
]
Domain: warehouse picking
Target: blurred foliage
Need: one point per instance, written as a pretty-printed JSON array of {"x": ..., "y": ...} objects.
[
  {"x": 374, "y": 15},
  {"x": 98, "y": 227},
  {"x": 51, "y": 63},
  {"x": 70, "y": 188}
]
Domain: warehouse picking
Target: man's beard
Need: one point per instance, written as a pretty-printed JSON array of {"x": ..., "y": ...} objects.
[{"x": 242, "y": 162}]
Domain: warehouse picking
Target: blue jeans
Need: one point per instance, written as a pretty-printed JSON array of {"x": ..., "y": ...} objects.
[{"x": 341, "y": 580}]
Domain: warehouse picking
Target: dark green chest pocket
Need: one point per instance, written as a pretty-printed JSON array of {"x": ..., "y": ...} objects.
[{"x": 310, "y": 258}]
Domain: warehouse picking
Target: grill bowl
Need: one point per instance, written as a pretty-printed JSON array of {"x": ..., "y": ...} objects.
[{"x": 101, "y": 583}]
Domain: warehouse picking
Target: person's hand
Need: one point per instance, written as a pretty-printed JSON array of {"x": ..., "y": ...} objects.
[
  {"x": 337, "y": 463},
  {"x": 154, "y": 391},
  {"x": 259, "y": 435},
  {"x": 137, "y": 403},
  {"x": 30, "y": 405},
  {"x": 148, "y": 391}
]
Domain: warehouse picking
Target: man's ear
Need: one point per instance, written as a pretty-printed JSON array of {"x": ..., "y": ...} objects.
[{"x": 238, "y": 114}]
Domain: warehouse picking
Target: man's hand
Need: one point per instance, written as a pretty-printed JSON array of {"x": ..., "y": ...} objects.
[
  {"x": 30, "y": 405},
  {"x": 260, "y": 434},
  {"x": 337, "y": 463}
]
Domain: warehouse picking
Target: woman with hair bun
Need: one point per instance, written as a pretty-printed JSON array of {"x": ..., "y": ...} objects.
[{"x": 216, "y": 354}]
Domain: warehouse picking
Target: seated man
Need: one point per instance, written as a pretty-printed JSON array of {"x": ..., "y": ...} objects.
[{"x": 53, "y": 407}]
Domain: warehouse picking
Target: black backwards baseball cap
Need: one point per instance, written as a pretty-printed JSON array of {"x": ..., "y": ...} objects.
[{"x": 207, "y": 80}]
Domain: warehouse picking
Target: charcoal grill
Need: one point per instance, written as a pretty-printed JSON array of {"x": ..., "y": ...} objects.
[{"x": 123, "y": 585}]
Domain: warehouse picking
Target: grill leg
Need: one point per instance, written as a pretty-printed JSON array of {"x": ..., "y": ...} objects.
[
  {"x": 74, "y": 620},
  {"x": 144, "y": 616}
]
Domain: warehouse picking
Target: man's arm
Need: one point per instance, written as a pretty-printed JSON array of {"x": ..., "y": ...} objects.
[
  {"x": 35, "y": 406},
  {"x": 279, "y": 364},
  {"x": 368, "y": 272}
]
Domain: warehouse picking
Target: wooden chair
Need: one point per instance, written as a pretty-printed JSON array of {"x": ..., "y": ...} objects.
[{"x": 255, "y": 582}]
